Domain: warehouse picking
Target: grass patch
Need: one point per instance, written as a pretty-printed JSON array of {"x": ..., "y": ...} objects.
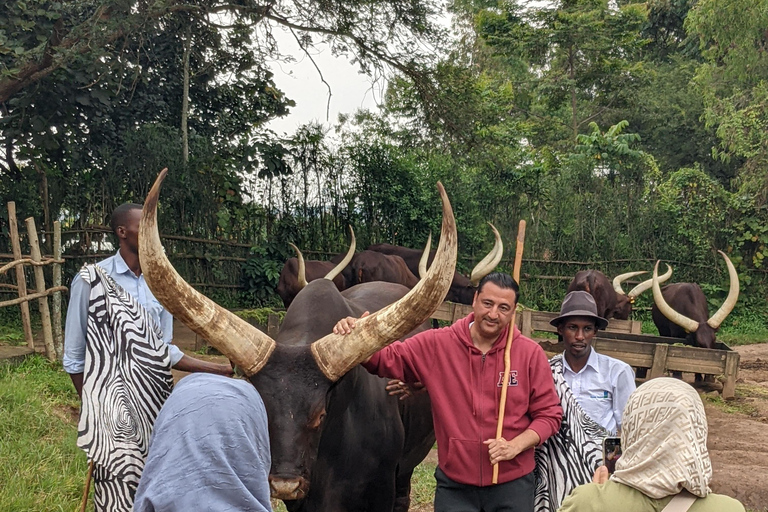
[
  {"x": 738, "y": 405},
  {"x": 423, "y": 484},
  {"x": 41, "y": 468}
]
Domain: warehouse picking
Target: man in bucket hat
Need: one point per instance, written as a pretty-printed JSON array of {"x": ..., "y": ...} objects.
[
  {"x": 600, "y": 384},
  {"x": 593, "y": 389}
]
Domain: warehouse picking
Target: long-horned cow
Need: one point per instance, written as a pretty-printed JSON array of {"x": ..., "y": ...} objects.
[
  {"x": 338, "y": 441},
  {"x": 680, "y": 310},
  {"x": 368, "y": 266},
  {"x": 291, "y": 282},
  {"x": 462, "y": 289},
  {"x": 610, "y": 298}
]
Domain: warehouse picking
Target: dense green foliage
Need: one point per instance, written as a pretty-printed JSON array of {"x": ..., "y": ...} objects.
[{"x": 623, "y": 132}]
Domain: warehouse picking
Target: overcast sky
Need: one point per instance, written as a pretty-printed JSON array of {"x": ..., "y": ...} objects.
[{"x": 301, "y": 82}]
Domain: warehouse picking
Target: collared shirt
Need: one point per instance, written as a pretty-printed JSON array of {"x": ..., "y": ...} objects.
[
  {"x": 602, "y": 388},
  {"x": 77, "y": 312}
]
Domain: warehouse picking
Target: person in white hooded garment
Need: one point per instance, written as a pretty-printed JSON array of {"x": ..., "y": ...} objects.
[{"x": 665, "y": 457}]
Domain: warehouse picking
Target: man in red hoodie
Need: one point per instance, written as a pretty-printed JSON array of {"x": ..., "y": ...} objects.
[{"x": 462, "y": 367}]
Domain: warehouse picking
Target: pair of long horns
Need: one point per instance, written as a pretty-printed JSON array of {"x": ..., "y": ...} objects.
[
  {"x": 482, "y": 269},
  {"x": 248, "y": 347},
  {"x": 689, "y": 324},
  {"x": 640, "y": 288},
  {"x": 302, "y": 277}
]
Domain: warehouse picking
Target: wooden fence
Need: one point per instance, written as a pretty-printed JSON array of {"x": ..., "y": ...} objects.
[
  {"x": 621, "y": 340},
  {"x": 53, "y": 336}
]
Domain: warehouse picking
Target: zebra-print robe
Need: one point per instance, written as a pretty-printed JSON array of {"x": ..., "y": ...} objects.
[
  {"x": 569, "y": 458},
  {"x": 126, "y": 379}
]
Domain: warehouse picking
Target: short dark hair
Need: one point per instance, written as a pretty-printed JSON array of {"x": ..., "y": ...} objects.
[
  {"x": 502, "y": 280},
  {"x": 120, "y": 214}
]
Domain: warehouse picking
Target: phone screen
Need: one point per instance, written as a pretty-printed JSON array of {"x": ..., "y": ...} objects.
[{"x": 611, "y": 452}]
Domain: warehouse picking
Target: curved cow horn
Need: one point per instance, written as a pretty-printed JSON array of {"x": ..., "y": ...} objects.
[
  {"x": 490, "y": 261},
  {"x": 730, "y": 301},
  {"x": 343, "y": 263},
  {"x": 336, "y": 355},
  {"x": 425, "y": 257},
  {"x": 302, "y": 273},
  {"x": 637, "y": 290},
  {"x": 623, "y": 277},
  {"x": 245, "y": 345},
  {"x": 683, "y": 321}
]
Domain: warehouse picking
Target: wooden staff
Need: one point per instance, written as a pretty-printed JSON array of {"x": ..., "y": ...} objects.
[
  {"x": 87, "y": 489},
  {"x": 508, "y": 348}
]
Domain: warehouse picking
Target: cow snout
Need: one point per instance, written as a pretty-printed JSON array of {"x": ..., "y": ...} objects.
[{"x": 288, "y": 488}]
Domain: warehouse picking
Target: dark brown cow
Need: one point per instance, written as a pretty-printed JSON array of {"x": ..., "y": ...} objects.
[
  {"x": 611, "y": 300},
  {"x": 368, "y": 266},
  {"x": 291, "y": 282},
  {"x": 680, "y": 310},
  {"x": 462, "y": 289},
  {"x": 338, "y": 441}
]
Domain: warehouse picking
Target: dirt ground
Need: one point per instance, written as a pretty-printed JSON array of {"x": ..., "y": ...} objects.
[{"x": 738, "y": 428}]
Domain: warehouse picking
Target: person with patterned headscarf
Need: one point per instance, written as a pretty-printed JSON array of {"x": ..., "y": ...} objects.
[{"x": 664, "y": 443}]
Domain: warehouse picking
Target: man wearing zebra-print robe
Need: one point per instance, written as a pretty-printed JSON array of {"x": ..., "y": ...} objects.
[
  {"x": 118, "y": 352},
  {"x": 593, "y": 390}
]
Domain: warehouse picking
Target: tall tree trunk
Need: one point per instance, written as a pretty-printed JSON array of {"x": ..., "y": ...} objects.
[
  {"x": 47, "y": 225},
  {"x": 572, "y": 75},
  {"x": 185, "y": 99}
]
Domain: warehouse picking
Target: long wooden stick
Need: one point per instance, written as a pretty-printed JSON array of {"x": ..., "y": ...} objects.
[
  {"x": 87, "y": 488},
  {"x": 508, "y": 347},
  {"x": 21, "y": 279}
]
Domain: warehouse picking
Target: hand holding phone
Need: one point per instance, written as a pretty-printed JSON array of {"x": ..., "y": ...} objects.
[{"x": 611, "y": 452}]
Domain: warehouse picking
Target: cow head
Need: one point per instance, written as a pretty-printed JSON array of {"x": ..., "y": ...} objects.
[
  {"x": 297, "y": 375},
  {"x": 624, "y": 302},
  {"x": 703, "y": 334}
]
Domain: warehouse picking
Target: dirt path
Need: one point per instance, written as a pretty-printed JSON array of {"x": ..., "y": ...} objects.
[{"x": 738, "y": 429}]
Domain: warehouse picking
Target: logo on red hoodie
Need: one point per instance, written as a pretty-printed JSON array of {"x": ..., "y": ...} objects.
[{"x": 512, "y": 378}]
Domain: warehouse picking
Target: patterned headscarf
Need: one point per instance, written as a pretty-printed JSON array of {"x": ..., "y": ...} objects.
[{"x": 664, "y": 441}]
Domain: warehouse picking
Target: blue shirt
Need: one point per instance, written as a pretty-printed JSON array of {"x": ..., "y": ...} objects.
[
  {"x": 77, "y": 312},
  {"x": 602, "y": 388}
]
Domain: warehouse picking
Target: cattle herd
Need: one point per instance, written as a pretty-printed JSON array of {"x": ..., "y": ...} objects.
[{"x": 338, "y": 441}]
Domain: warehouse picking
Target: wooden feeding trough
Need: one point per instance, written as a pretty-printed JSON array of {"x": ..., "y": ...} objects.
[{"x": 658, "y": 354}]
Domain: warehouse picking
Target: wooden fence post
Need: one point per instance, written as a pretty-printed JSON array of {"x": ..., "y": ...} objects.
[
  {"x": 58, "y": 335},
  {"x": 21, "y": 279},
  {"x": 273, "y": 325},
  {"x": 45, "y": 314}
]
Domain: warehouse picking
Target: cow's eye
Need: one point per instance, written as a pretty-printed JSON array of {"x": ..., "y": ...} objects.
[{"x": 318, "y": 420}]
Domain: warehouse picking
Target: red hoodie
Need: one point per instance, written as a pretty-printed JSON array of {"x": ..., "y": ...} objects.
[{"x": 465, "y": 389}]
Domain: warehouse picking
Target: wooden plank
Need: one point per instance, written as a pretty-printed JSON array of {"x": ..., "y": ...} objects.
[
  {"x": 58, "y": 333},
  {"x": 659, "y": 360},
  {"x": 639, "y": 355},
  {"x": 21, "y": 280},
  {"x": 273, "y": 325},
  {"x": 444, "y": 312},
  {"x": 526, "y": 328},
  {"x": 696, "y": 360},
  {"x": 45, "y": 313},
  {"x": 731, "y": 374},
  {"x": 540, "y": 322}
]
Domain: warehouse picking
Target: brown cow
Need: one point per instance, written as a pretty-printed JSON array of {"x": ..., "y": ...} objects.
[
  {"x": 680, "y": 310},
  {"x": 297, "y": 272},
  {"x": 370, "y": 266},
  {"x": 462, "y": 289},
  {"x": 611, "y": 300}
]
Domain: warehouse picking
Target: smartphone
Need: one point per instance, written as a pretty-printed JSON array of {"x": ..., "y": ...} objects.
[{"x": 611, "y": 452}]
